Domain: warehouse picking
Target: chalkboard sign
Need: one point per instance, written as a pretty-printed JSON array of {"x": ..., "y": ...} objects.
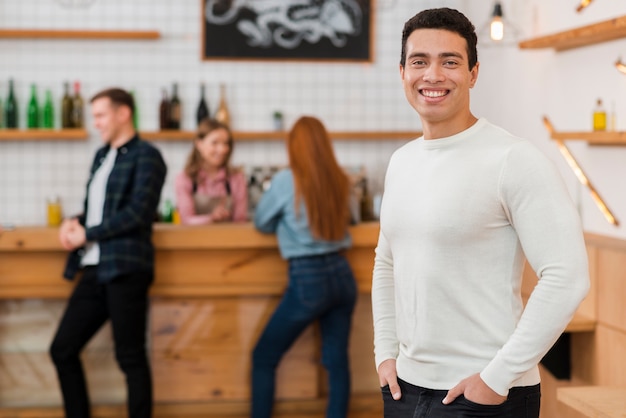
[{"x": 332, "y": 30}]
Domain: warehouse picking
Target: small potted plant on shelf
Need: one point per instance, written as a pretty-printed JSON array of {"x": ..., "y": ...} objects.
[{"x": 278, "y": 120}]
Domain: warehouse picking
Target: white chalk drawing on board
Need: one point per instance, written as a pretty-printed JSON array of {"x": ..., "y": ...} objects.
[{"x": 286, "y": 23}]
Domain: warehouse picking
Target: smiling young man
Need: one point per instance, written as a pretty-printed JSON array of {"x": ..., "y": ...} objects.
[
  {"x": 110, "y": 243},
  {"x": 463, "y": 206}
]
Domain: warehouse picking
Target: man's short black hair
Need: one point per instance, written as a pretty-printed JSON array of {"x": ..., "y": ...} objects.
[{"x": 447, "y": 19}]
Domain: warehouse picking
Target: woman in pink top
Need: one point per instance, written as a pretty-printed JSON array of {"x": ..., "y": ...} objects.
[{"x": 208, "y": 190}]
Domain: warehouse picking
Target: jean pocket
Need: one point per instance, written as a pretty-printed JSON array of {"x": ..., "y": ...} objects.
[
  {"x": 469, "y": 408},
  {"x": 310, "y": 287}
]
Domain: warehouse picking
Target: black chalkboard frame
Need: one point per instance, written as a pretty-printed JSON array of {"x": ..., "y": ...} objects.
[{"x": 226, "y": 41}]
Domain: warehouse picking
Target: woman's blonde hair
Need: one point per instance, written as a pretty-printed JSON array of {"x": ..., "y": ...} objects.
[
  {"x": 195, "y": 160},
  {"x": 319, "y": 180}
]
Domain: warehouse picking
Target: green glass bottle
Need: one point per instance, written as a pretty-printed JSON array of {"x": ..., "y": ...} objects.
[
  {"x": 168, "y": 211},
  {"x": 10, "y": 110},
  {"x": 48, "y": 111},
  {"x": 33, "y": 109},
  {"x": 1, "y": 115}
]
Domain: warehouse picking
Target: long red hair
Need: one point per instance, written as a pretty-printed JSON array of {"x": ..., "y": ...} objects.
[{"x": 319, "y": 180}]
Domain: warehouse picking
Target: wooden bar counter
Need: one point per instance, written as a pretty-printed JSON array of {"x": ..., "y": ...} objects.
[{"x": 214, "y": 289}]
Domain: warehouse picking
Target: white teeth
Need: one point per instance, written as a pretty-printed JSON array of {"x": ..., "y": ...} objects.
[{"x": 430, "y": 93}]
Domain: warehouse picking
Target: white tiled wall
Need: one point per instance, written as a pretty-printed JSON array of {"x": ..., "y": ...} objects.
[{"x": 354, "y": 96}]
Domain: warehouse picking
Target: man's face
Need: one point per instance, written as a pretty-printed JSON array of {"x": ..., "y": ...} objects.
[
  {"x": 436, "y": 75},
  {"x": 107, "y": 118}
]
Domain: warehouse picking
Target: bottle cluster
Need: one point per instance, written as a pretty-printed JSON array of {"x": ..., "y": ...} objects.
[
  {"x": 41, "y": 113},
  {"x": 171, "y": 108}
]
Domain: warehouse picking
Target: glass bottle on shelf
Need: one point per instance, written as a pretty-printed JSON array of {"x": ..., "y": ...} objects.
[
  {"x": 203, "y": 109},
  {"x": 10, "y": 110},
  {"x": 223, "y": 114},
  {"x": 1, "y": 115},
  {"x": 599, "y": 116},
  {"x": 164, "y": 111},
  {"x": 48, "y": 111},
  {"x": 33, "y": 109},
  {"x": 175, "y": 109},
  {"x": 77, "y": 107},
  {"x": 66, "y": 107}
]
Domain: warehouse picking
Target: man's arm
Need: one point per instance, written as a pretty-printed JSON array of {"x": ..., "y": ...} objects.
[
  {"x": 549, "y": 230},
  {"x": 149, "y": 176}
]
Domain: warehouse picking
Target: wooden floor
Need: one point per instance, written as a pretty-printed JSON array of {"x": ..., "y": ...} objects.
[{"x": 362, "y": 406}]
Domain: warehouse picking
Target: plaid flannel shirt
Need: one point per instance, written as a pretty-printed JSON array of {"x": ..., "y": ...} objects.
[{"x": 132, "y": 196}]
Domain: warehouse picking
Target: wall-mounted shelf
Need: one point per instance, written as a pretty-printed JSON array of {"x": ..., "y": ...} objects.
[
  {"x": 78, "y": 34},
  {"x": 43, "y": 134},
  {"x": 173, "y": 135},
  {"x": 582, "y": 36},
  {"x": 593, "y": 138}
]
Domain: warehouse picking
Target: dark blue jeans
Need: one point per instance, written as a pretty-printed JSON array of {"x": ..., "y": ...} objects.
[
  {"x": 320, "y": 288},
  {"x": 125, "y": 302},
  {"x": 418, "y": 402}
]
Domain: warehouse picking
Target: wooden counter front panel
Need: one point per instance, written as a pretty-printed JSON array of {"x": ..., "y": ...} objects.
[{"x": 201, "y": 350}]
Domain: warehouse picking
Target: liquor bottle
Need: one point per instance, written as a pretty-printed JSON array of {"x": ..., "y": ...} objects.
[
  {"x": 77, "y": 107},
  {"x": 66, "y": 107},
  {"x": 203, "y": 108},
  {"x": 48, "y": 111},
  {"x": 175, "y": 109},
  {"x": 223, "y": 114},
  {"x": 599, "y": 117},
  {"x": 164, "y": 111},
  {"x": 33, "y": 109},
  {"x": 10, "y": 110},
  {"x": 1, "y": 115}
]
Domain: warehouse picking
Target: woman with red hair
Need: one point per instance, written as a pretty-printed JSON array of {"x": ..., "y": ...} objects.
[{"x": 307, "y": 207}]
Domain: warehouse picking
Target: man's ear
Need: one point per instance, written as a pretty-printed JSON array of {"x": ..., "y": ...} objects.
[
  {"x": 474, "y": 75},
  {"x": 123, "y": 113}
]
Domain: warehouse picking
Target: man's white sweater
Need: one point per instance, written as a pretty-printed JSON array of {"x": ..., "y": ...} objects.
[{"x": 458, "y": 216}]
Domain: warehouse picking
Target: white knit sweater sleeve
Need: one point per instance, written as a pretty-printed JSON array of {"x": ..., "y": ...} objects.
[
  {"x": 383, "y": 306},
  {"x": 549, "y": 231}
]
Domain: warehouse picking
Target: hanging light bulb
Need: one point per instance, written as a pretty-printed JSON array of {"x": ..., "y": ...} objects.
[
  {"x": 498, "y": 30},
  {"x": 496, "y": 27}
]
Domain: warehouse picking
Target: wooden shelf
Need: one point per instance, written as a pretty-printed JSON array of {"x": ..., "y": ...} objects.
[
  {"x": 578, "y": 37},
  {"x": 594, "y": 401},
  {"x": 593, "y": 138},
  {"x": 78, "y": 34},
  {"x": 43, "y": 134},
  {"x": 171, "y": 135}
]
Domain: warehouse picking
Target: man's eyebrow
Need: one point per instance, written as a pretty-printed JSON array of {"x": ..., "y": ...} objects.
[{"x": 441, "y": 55}]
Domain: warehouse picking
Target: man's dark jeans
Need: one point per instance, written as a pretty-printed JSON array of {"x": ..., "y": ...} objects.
[
  {"x": 125, "y": 302},
  {"x": 418, "y": 402}
]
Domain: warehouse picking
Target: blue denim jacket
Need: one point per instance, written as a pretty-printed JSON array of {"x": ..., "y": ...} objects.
[{"x": 275, "y": 213}]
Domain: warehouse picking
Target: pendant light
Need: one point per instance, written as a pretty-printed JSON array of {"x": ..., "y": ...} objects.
[{"x": 498, "y": 30}]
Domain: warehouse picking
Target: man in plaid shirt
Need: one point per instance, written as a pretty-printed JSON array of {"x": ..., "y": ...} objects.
[{"x": 111, "y": 244}]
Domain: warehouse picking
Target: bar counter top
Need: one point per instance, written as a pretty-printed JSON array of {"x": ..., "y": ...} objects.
[
  {"x": 191, "y": 261},
  {"x": 169, "y": 237}
]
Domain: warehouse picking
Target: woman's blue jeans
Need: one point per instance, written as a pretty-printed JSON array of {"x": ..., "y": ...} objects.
[
  {"x": 320, "y": 288},
  {"x": 418, "y": 402}
]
